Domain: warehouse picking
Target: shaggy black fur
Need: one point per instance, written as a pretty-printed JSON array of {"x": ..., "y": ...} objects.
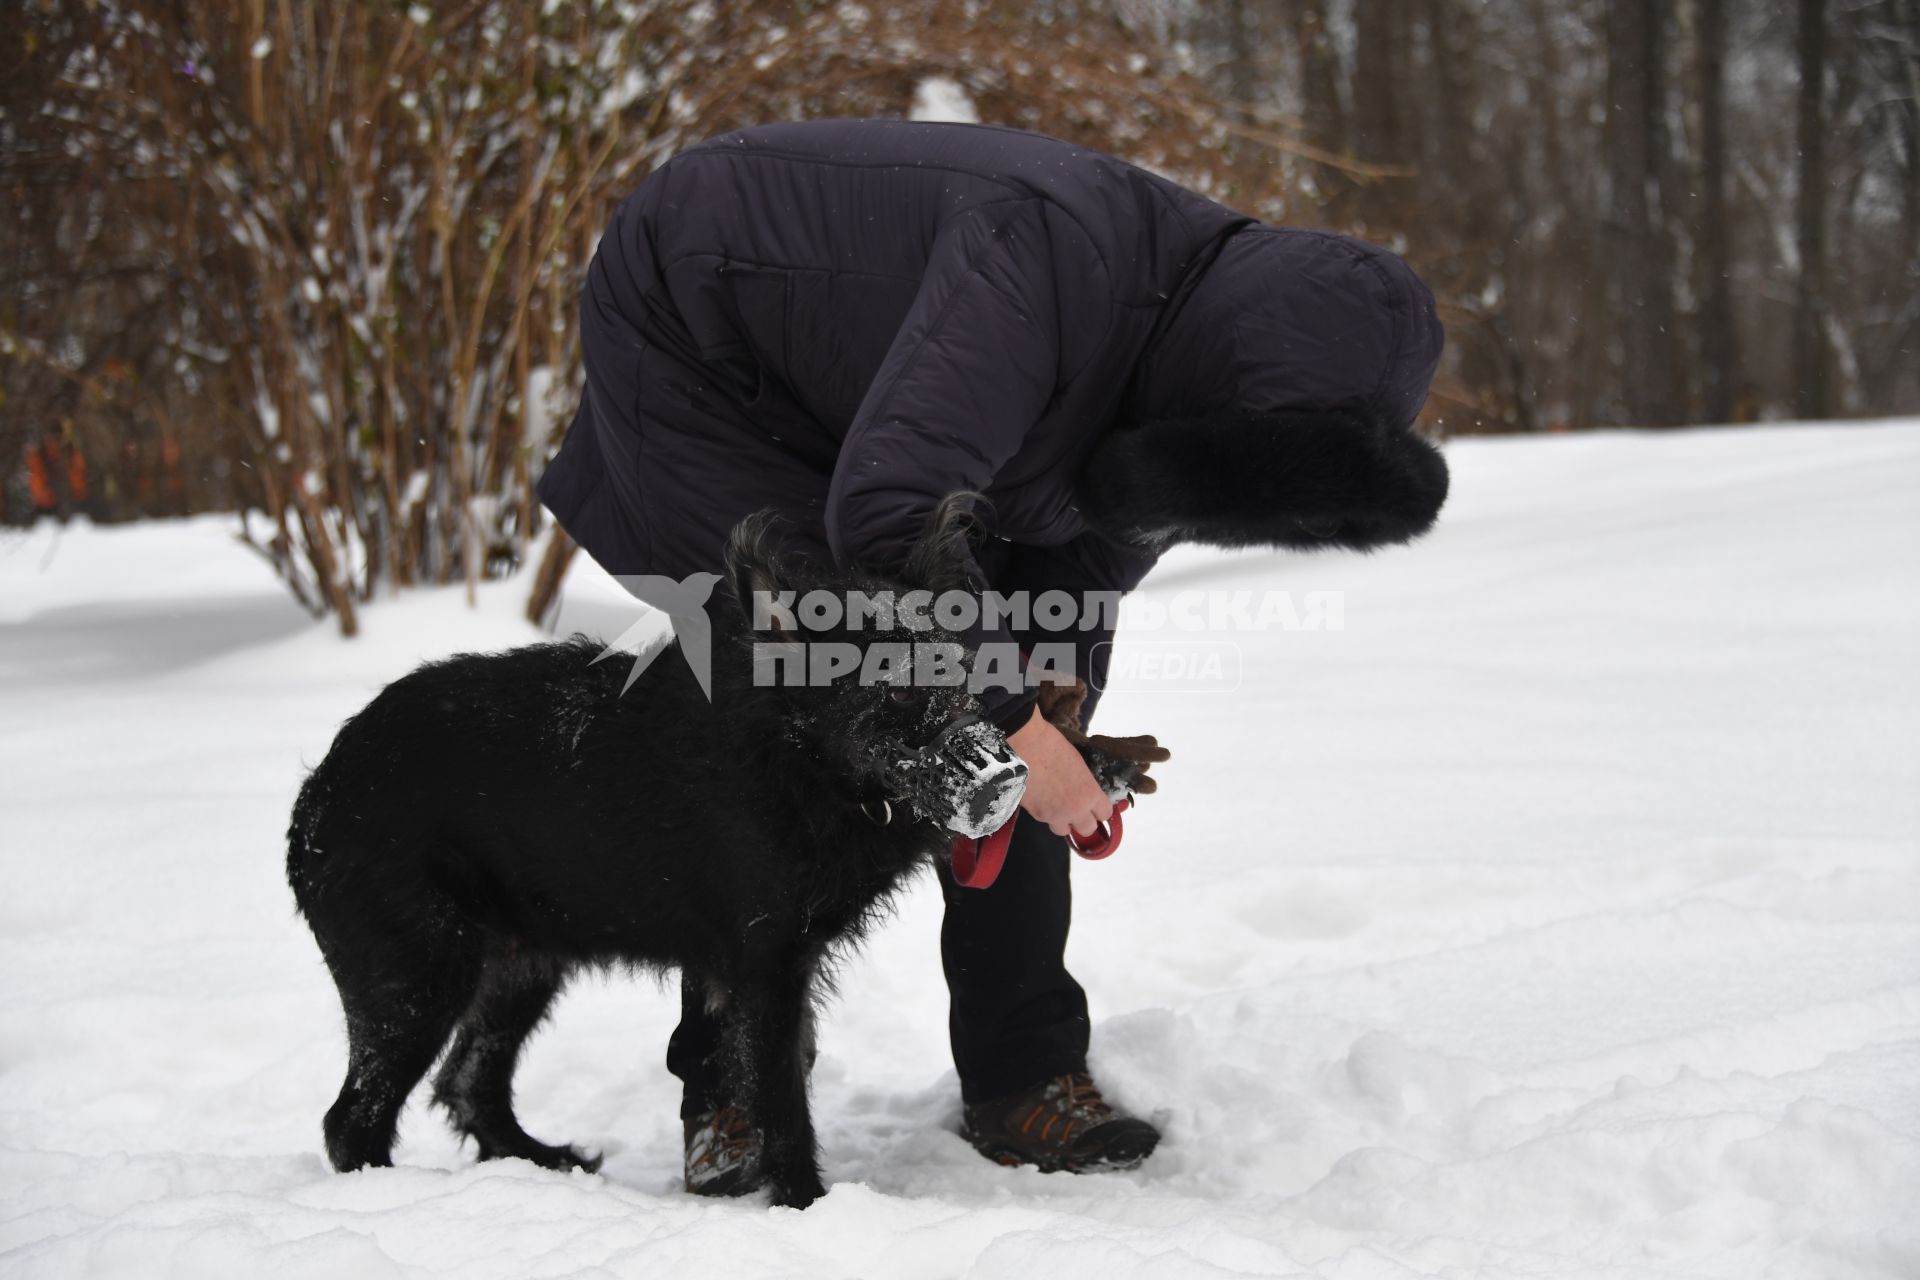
[
  {"x": 491, "y": 823},
  {"x": 1300, "y": 480}
]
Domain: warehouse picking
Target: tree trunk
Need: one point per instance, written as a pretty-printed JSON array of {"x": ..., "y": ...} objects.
[
  {"x": 1636, "y": 145},
  {"x": 1908, "y": 106},
  {"x": 1239, "y": 55},
  {"x": 549, "y": 575},
  {"x": 1666, "y": 395},
  {"x": 1719, "y": 360},
  {"x": 1378, "y": 128},
  {"x": 1450, "y": 33},
  {"x": 1809, "y": 299},
  {"x": 1240, "y": 78},
  {"x": 1319, "y": 76}
]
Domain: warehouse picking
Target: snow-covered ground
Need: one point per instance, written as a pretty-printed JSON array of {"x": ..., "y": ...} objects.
[{"x": 1559, "y": 916}]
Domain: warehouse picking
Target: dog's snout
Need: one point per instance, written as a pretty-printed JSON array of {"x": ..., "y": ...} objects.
[{"x": 972, "y": 779}]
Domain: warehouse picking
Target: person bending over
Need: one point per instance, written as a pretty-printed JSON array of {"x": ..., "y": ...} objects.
[{"x": 846, "y": 321}]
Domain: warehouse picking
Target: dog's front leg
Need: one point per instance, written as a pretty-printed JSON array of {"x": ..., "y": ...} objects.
[{"x": 774, "y": 1029}]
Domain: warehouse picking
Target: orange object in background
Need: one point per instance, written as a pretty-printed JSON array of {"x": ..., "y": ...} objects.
[
  {"x": 39, "y": 486},
  {"x": 77, "y": 477},
  {"x": 170, "y": 463}
]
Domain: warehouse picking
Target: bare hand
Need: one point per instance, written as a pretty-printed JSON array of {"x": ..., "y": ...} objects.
[{"x": 1061, "y": 792}]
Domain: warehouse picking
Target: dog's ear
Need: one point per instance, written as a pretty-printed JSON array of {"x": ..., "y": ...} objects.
[
  {"x": 942, "y": 559},
  {"x": 753, "y": 562}
]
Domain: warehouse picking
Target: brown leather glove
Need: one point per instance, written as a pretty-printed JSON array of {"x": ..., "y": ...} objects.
[{"x": 1118, "y": 764}]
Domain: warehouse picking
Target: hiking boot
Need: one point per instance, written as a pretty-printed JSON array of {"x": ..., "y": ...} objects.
[
  {"x": 1059, "y": 1125},
  {"x": 723, "y": 1153}
]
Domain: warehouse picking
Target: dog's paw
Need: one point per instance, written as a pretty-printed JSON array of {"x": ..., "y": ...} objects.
[
  {"x": 797, "y": 1192},
  {"x": 559, "y": 1159}
]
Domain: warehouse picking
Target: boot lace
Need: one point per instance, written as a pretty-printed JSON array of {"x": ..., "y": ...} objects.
[{"x": 1073, "y": 1099}]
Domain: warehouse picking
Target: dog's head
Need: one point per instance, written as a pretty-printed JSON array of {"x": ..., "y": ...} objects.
[{"x": 870, "y": 679}]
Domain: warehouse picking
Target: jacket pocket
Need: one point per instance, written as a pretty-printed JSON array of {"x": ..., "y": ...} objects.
[{"x": 755, "y": 301}]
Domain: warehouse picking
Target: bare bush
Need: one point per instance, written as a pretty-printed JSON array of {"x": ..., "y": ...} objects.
[{"x": 353, "y": 233}]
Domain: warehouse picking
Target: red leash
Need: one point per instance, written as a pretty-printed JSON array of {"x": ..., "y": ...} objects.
[{"x": 977, "y": 863}]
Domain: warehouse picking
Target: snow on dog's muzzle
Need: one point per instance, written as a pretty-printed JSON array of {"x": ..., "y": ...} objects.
[{"x": 968, "y": 778}]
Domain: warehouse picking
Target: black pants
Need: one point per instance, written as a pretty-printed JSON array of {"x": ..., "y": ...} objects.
[{"x": 1015, "y": 1015}]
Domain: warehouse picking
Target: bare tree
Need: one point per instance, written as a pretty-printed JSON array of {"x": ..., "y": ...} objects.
[
  {"x": 1323, "y": 117},
  {"x": 1810, "y": 216},
  {"x": 1713, "y": 234},
  {"x": 1644, "y": 317}
]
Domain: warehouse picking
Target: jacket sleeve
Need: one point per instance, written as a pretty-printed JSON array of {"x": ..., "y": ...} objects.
[
  {"x": 973, "y": 367},
  {"x": 970, "y": 372},
  {"x": 1096, "y": 571}
]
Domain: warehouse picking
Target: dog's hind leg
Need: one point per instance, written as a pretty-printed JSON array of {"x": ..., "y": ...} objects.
[
  {"x": 475, "y": 1084},
  {"x": 402, "y": 991}
]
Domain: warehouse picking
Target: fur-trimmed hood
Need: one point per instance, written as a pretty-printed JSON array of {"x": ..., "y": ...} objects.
[{"x": 1275, "y": 404}]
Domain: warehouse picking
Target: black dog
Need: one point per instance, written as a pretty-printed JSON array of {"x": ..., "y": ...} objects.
[{"x": 491, "y": 823}]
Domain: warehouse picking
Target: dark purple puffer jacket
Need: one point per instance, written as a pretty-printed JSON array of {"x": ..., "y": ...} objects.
[{"x": 846, "y": 320}]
